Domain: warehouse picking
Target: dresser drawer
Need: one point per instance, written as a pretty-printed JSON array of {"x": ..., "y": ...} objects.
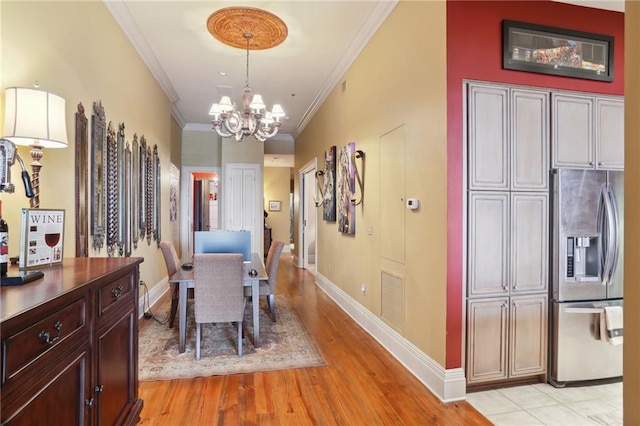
[
  {"x": 114, "y": 295},
  {"x": 47, "y": 337}
]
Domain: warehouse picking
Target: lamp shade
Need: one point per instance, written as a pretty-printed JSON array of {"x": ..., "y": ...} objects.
[{"x": 34, "y": 117}]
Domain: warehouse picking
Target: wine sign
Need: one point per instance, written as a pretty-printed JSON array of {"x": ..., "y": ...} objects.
[{"x": 41, "y": 238}]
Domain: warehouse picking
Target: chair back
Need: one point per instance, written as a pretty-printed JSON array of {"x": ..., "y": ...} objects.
[
  {"x": 273, "y": 258},
  {"x": 170, "y": 257},
  {"x": 218, "y": 293}
]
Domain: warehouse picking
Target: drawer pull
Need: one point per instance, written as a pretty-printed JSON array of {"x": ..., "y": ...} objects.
[
  {"x": 117, "y": 292},
  {"x": 88, "y": 402},
  {"x": 99, "y": 389},
  {"x": 45, "y": 337}
]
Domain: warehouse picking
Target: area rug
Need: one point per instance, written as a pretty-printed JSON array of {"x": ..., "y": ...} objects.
[{"x": 285, "y": 344}]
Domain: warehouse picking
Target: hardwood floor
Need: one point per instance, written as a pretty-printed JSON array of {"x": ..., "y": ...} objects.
[{"x": 362, "y": 384}]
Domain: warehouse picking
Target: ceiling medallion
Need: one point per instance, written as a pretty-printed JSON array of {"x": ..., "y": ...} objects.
[{"x": 229, "y": 26}]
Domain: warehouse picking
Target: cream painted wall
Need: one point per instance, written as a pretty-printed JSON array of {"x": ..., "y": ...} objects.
[
  {"x": 203, "y": 149},
  {"x": 398, "y": 79},
  {"x": 246, "y": 151},
  {"x": 277, "y": 186},
  {"x": 77, "y": 50},
  {"x": 631, "y": 382}
]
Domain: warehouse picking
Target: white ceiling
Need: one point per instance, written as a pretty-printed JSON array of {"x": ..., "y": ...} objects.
[
  {"x": 324, "y": 38},
  {"x": 616, "y": 5}
]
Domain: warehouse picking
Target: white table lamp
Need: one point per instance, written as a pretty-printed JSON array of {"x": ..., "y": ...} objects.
[{"x": 37, "y": 119}]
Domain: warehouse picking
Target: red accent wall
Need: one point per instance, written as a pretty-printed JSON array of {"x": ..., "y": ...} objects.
[{"x": 474, "y": 51}]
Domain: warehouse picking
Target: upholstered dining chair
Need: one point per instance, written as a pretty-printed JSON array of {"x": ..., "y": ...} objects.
[
  {"x": 173, "y": 264},
  {"x": 268, "y": 287},
  {"x": 219, "y": 293}
]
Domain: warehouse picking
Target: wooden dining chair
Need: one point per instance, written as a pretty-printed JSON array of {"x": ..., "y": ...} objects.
[
  {"x": 268, "y": 287},
  {"x": 173, "y": 264},
  {"x": 219, "y": 292}
]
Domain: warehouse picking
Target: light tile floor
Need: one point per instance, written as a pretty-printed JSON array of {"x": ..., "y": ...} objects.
[{"x": 543, "y": 404}]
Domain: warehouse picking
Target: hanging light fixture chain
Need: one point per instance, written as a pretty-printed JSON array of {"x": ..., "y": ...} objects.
[{"x": 248, "y": 37}]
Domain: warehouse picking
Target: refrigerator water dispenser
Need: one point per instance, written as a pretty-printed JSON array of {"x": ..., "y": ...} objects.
[{"x": 583, "y": 260}]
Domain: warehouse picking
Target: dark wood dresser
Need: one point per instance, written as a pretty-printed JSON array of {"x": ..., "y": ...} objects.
[{"x": 70, "y": 345}]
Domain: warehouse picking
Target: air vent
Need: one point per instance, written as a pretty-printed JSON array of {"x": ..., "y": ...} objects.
[{"x": 392, "y": 310}]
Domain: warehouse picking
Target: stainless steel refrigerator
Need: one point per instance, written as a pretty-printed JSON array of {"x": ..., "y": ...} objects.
[{"x": 586, "y": 273}]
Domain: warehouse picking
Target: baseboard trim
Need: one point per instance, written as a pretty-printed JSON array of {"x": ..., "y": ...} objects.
[
  {"x": 447, "y": 384},
  {"x": 155, "y": 294}
]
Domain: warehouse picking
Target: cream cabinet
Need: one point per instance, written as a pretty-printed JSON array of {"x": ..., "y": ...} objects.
[
  {"x": 528, "y": 335},
  {"x": 508, "y": 146},
  {"x": 508, "y": 134},
  {"x": 508, "y": 243},
  {"x": 609, "y": 128},
  {"x": 529, "y": 226},
  {"x": 587, "y": 132},
  {"x": 488, "y": 244},
  {"x": 487, "y": 334},
  {"x": 488, "y": 137},
  {"x": 508, "y": 336}
]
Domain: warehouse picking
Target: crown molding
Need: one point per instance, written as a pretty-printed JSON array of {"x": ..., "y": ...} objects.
[
  {"x": 366, "y": 30},
  {"x": 122, "y": 16}
]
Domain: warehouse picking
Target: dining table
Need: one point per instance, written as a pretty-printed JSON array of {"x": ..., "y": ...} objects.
[{"x": 183, "y": 278}]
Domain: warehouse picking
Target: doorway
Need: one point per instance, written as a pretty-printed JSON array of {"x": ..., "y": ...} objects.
[
  {"x": 200, "y": 189},
  {"x": 308, "y": 217}
]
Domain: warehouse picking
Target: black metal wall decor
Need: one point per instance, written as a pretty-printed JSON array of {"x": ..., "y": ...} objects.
[
  {"x": 98, "y": 166},
  {"x": 112, "y": 190},
  {"x": 135, "y": 191},
  {"x": 142, "y": 165},
  {"x": 82, "y": 179}
]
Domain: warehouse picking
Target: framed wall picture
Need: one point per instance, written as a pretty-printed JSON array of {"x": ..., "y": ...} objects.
[
  {"x": 558, "y": 51},
  {"x": 275, "y": 206}
]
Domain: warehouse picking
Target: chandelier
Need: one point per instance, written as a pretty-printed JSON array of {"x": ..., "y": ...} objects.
[{"x": 232, "y": 26}]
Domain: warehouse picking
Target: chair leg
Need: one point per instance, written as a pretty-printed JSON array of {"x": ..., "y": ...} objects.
[
  {"x": 198, "y": 336},
  {"x": 239, "y": 339},
  {"x": 271, "y": 301}
]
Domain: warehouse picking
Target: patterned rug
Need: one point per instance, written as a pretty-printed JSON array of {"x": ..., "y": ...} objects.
[{"x": 285, "y": 345}]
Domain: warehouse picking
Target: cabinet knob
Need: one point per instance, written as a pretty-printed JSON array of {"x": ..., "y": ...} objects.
[
  {"x": 88, "y": 402},
  {"x": 601, "y": 163},
  {"x": 591, "y": 163},
  {"x": 99, "y": 389}
]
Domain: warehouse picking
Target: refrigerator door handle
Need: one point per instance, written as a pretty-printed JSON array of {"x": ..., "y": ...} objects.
[
  {"x": 614, "y": 229},
  {"x": 608, "y": 233},
  {"x": 604, "y": 232}
]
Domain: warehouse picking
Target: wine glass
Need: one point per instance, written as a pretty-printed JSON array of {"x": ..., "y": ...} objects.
[{"x": 52, "y": 237}]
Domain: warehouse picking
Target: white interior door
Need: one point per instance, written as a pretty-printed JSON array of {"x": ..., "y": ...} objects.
[
  {"x": 242, "y": 201},
  {"x": 308, "y": 217}
]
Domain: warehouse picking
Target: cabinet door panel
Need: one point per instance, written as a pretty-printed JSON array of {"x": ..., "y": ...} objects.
[
  {"x": 529, "y": 242},
  {"x": 528, "y": 339},
  {"x": 529, "y": 140},
  {"x": 572, "y": 131},
  {"x": 61, "y": 395},
  {"x": 610, "y": 133},
  {"x": 488, "y": 137},
  {"x": 487, "y": 332},
  {"x": 117, "y": 354},
  {"x": 488, "y": 243}
]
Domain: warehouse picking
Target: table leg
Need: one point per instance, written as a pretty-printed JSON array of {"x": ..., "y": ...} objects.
[
  {"x": 182, "y": 312},
  {"x": 255, "y": 301}
]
